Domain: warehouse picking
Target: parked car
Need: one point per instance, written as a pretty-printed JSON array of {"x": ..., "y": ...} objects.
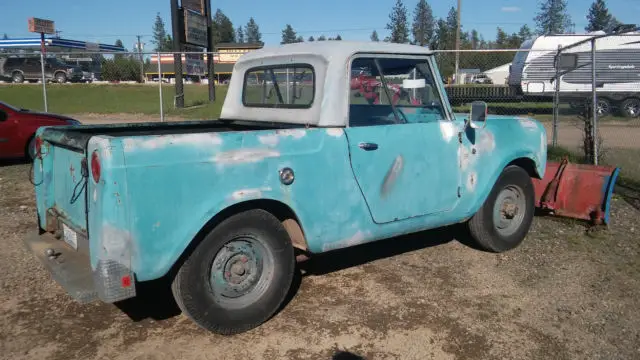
[
  {"x": 21, "y": 68},
  {"x": 224, "y": 208},
  {"x": 18, "y": 128}
]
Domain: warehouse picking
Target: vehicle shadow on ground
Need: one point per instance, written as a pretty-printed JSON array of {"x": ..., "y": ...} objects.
[
  {"x": 155, "y": 301},
  {"x": 629, "y": 192},
  {"x": 13, "y": 162},
  {"x": 346, "y": 355},
  {"x": 337, "y": 260}
]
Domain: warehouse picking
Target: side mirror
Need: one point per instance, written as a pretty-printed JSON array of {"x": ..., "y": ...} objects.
[
  {"x": 478, "y": 114},
  {"x": 567, "y": 62}
]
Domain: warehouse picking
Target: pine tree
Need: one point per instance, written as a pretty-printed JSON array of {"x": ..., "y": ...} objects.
[
  {"x": 160, "y": 35},
  {"x": 374, "y": 36},
  {"x": 311, "y": 39},
  {"x": 223, "y": 30},
  {"x": 322, "y": 38},
  {"x": 599, "y": 17},
  {"x": 252, "y": 32},
  {"x": 5, "y": 36},
  {"x": 338, "y": 37},
  {"x": 525, "y": 33},
  {"x": 299, "y": 39},
  {"x": 239, "y": 35},
  {"x": 475, "y": 39},
  {"x": 423, "y": 23},
  {"x": 288, "y": 35},
  {"x": 553, "y": 18},
  {"x": 398, "y": 24}
]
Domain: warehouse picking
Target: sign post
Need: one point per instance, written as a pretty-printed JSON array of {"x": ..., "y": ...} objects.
[
  {"x": 191, "y": 25},
  {"x": 42, "y": 26}
]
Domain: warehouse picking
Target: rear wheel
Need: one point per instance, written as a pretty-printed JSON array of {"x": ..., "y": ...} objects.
[
  {"x": 603, "y": 107},
  {"x": 631, "y": 108},
  {"x": 238, "y": 276},
  {"x": 61, "y": 77},
  {"x": 17, "y": 77},
  {"x": 503, "y": 221}
]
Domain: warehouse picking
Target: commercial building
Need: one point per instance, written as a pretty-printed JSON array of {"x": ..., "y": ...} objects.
[{"x": 194, "y": 66}]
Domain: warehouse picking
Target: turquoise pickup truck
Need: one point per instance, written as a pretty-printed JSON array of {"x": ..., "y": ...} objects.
[{"x": 319, "y": 146}]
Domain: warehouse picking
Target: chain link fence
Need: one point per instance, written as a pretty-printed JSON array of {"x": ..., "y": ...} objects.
[{"x": 110, "y": 87}]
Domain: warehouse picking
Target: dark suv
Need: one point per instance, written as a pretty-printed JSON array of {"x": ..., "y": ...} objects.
[{"x": 22, "y": 68}]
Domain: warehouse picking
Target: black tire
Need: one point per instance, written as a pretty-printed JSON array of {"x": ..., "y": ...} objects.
[
  {"x": 30, "y": 150},
  {"x": 17, "y": 77},
  {"x": 630, "y": 108},
  {"x": 61, "y": 77},
  {"x": 482, "y": 225},
  {"x": 604, "y": 107},
  {"x": 192, "y": 286}
]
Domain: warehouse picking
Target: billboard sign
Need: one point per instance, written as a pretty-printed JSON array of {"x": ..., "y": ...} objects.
[
  {"x": 195, "y": 26},
  {"x": 194, "y": 5},
  {"x": 195, "y": 65},
  {"x": 41, "y": 26}
]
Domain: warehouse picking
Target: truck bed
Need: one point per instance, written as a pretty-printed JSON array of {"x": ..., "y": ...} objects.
[{"x": 77, "y": 138}]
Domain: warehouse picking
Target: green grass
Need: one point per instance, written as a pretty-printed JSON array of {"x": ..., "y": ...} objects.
[{"x": 113, "y": 99}]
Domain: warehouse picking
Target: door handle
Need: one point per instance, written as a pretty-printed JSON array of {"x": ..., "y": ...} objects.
[{"x": 368, "y": 146}]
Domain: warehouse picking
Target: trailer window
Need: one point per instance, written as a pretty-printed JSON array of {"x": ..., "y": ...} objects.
[{"x": 280, "y": 86}]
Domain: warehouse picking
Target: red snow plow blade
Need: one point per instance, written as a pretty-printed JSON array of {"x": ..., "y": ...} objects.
[{"x": 576, "y": 190}]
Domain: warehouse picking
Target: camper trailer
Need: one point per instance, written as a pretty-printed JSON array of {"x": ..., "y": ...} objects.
[{"x": 617, "y": 71}]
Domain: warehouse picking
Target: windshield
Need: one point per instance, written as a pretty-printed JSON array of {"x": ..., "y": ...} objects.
[{"x": 404, "y": 84}]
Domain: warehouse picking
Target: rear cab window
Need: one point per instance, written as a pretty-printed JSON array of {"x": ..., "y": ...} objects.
[{"x": 279, "y": 86}]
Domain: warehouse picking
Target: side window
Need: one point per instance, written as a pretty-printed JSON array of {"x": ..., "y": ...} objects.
[
  {"x": 279, "y": 86},
  {"x": 3, "y": 115},
  {"x": 388, "y": 91}
]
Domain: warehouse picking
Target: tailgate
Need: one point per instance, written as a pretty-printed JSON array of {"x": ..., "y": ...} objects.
[
  {"x": 69, "y": 186},
  {"x": 61, "y": 196}
]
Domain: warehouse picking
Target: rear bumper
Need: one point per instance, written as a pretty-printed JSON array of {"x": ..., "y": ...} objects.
[
  {"x": 69, "y": 268},
  {"x": 110, "y": 282}
]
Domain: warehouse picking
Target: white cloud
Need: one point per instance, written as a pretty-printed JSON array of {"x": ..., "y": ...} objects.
[{"x": 510, "y": 9}]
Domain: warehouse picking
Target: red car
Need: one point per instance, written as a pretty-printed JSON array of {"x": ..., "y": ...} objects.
[{"x": 18, "y": 127}]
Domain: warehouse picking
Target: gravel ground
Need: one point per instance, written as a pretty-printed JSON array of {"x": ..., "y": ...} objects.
[{"x": 564, "y": 294}]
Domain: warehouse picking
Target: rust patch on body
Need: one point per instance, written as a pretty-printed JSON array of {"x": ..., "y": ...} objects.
[
  {"x": 392, "y": 175},
  {"x": 295, "y": 233}
]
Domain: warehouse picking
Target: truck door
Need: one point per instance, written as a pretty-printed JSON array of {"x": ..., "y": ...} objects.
[{"x": 404, "y": 157}]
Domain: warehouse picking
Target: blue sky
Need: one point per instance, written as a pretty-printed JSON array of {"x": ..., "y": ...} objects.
[{"x": 106, "y": 21}]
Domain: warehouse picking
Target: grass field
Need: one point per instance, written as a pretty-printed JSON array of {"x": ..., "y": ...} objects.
[
  {"x": 144, "y": 99},
  {"x": 112, "y": 99}
]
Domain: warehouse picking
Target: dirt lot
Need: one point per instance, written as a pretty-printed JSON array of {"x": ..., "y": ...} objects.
[{"x": 564, "y": 294}]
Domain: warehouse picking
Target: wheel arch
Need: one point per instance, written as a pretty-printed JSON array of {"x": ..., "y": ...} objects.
[
  {"x": 528, "y": 164},
  {"x": 280, "y": 210},
  {"x": 26, "y": 145}
]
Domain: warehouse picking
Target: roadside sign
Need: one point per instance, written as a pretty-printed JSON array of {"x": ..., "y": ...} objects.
[
  {"x": 194, "y": 5},
  {"x": 42, "y": 26},
  {"x": 195, "y": 26}
]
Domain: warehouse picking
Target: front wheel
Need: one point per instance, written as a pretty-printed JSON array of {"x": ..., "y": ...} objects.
[
  {"x": 503, "y": 221},
  {"x": 238, "y": 276}
]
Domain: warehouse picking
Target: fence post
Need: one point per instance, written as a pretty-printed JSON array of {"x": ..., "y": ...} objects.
[
  {"x": 160, "y": 87},
  {"x": 44, "y": 82},
  {"x": 594, "y": 95},
  {"x": 556, "y": 100}
]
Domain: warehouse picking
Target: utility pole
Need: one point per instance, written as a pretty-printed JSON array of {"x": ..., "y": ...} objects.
[
  {"x": 458, "y": 40},
  {"x": 139, "y": 47},
  {"x": 177, "y": 55}
]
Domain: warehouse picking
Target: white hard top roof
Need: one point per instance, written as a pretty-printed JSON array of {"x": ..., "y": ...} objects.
[
  {"x": 330, "y": 61},
  {"x": 333, "y": 49}
]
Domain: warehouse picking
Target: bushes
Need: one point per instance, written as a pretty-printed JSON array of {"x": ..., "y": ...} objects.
[{"x": 121, "y": 68}]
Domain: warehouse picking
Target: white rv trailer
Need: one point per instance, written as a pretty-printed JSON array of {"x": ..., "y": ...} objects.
[{"x": 617, "y": 70}]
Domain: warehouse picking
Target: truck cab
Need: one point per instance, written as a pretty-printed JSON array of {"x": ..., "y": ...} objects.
[{"x": 319, "y": 146}]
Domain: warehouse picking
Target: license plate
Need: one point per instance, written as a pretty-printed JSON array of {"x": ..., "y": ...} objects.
[{"x": 70, "y": 236}]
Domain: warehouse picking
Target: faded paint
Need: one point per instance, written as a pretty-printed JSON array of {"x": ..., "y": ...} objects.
[
  {"x": 244, "y": 156},
  {"x": 392, "y": 175},
  {"x": 487, "y": 141},
  {"x": 160, "y": 141},
  {"x": 335, "y": 132},
  {"x": 269, "y": 139},
  {"x": 356, "y": 239},
  {"x": 248, "y": 193},
  {"x": 528, "y": 124},
  {"x": 471, "y": 181},
  {"x": 294, "y": 133},
  {"x": 115, "y": 245},
  {"x": 448, "y": 130},
  {"x": 95, "y": 195}
]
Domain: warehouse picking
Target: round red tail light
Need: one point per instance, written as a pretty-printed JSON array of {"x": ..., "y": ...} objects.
[
  {"x": 38, "y": 146},
  {"x": 95, "y": 166}
]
